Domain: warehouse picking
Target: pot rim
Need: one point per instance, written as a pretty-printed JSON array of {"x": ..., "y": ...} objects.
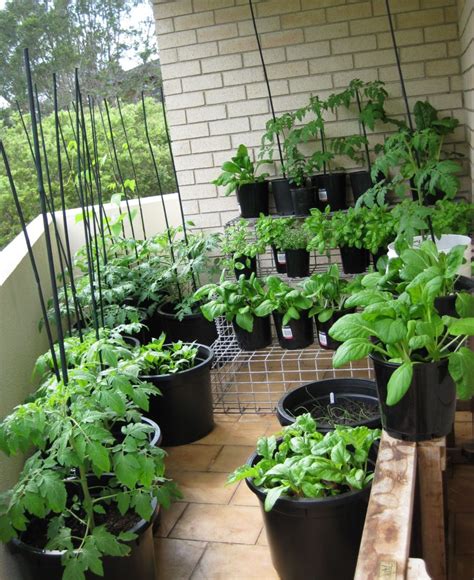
[
  {"x": 209, "y": 357},
  {"x": 375, "y": 357},
  {"x": 173, "y": 316}
]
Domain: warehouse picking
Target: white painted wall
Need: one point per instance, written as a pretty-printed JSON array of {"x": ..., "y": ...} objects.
[{"x": 20, "y": 341}]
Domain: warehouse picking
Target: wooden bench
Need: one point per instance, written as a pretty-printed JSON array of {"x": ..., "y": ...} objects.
[{"x": 385, "y": 548}]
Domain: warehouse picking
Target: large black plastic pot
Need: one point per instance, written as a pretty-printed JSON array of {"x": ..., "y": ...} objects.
[
  {"x": 38, "y": 564},
  {"x": 296, "y": 334},
  {"x": 325, "y": 341},
  {"x": 314, "y": 538},
  {"x": 446, "y": 305},
  {"x": 253, "y": 199},
  {"x": 184, "y": 408},
  {"x": 330, "y": 190},
  {"x": 249, "y": 266},
  {"x": 279, "y": 256},
  {"x": 297, "y": 263},
  {"x": 193, "y": 328},
  {"x": 354, "y": 260},
  {"x": 280, "y": 189},
  {"x": 303, "y": 200},
  {"x": 427, "y": 409},
  {"x": 260, "y": 337},
  {"x": 330, "y": 391}
]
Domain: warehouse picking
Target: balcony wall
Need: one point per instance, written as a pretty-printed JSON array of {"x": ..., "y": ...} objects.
[
  {"x": 217, "y": 98},
  {"x": 20, "y": 341}
]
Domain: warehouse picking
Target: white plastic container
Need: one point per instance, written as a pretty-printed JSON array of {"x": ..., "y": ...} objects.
[{"x": 444, "y": 244}]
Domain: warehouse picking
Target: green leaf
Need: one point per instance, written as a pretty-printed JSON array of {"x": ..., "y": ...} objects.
[
  {"x": 245, "y": 321},
  {"x": 73, "y": 569},
  {"x": 351, "y": 350},
  {"x": 143, "y": 506},
  {"x": 350, "y": 326},
  {"x": 389, "y": 331},
  {"x": 273, "y": 495},
  {"x": 266, "y": 447},
  {"x": 126, "y": 467},
  {"x": 99, "y": 456},
  {"x": 399, "y": 383},
  {"x": 461, "y": 369},
  {"x": 461, "y": 326},
  {"x": 108, "y": 543},
  {"x": 465, "y": 305}
]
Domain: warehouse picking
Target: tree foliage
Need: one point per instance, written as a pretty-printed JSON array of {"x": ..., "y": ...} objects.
[{"x": 24, "y": 175}]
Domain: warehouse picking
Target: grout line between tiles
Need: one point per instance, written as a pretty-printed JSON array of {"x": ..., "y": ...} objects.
[
  {"x": 199, "y": 560},
  {"x": 211, "y": 463},
  {"x": 174, "y": 525}
]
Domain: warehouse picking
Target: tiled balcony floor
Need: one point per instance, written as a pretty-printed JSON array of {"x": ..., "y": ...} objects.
[{"x": 216, "y": 532}]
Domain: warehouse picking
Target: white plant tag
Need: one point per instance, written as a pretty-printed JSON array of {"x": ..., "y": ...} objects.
[
  {"x": 286, "y": 332},
  {"x": 332, "y": 398},
  {"x": 323, "y": 339},
  {"x": 281, "y": 258},
  {"x": 322, "y": 194}
]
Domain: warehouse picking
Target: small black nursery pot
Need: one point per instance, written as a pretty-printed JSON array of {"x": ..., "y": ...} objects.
[
  {"x": 253, "y": 199},
  {"x": 330, "y": 190},
  {"x": 193, "y": 327},
  {"x": 280, "y": 189},
  {"x": 297, "y": 263},
  {"x": 354, "y": 260},
  {"x": 303, "y": 200},
  {"x": 279, "y": 256},
  {"x": 260, "y": 337},
  {"x": 296, "y": 334},
  {"x": 323, "y": 328}
]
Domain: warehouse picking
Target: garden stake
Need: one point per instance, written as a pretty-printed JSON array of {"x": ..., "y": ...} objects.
[
  {"x": 63, "y": 209},
  {"x": 119, "y": 171},
  {"x": 157, "y": 174},
  {"x": 267, "y": 82},
  {"x": 52, "y": 211},
  {"x": 405, "y": 97},
  {"x": 129, "y": 149},
  {"x": 42, "y": 196},
  {"x": 364, "y": 130},
  {"x": 32, "y": 260},
  {"x": 183, "y": 220}
]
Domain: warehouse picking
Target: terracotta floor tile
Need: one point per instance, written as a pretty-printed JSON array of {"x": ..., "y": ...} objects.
[
  {"x": 464, "y": 534},
  {"x": 226, "y": 417},
  {"x": 231, "y": 562},
  {"x": 191, "y": 457},
  {"x": 176, "y": 559},
  {"x": 231, "y": 457},
  {"x": 219, "y": 523},
  {"x": 243, "y": 496},
  {"x": 169, "y": 517},
  {"x": 234, "y": 434},
  {"x": 203, "y": 486}
]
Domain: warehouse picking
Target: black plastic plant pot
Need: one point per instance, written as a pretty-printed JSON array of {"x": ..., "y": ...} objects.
[
  {"x": 249, "y": 267},
  {"x": 330, "y": 190},
  {"x": 184, "y": 409},
  {"x": 253, "y": 199},
  {"x": 348, "y": 402},
  {"x": 314, "y": 538},
  {"x": 279, "y": 257},
  {"x": 360, "y": 183},
  {"x": 41, "y": 564},
  {"x": 446, "y": 305},
  {"x": 381, "y": 252},
  {"x": 427, "y": 409},
  {"x": 260, "y": 337},
  {"x": 296, "y": 334},
  {"x": 280, "y": 189},
  {"x": 354, "y": 260},
  {"x": 303, "y": 200},
  {"x": 297, "y": 263},
  {"x": 193, "y": 328},
  {"x": 325, "y": 341},
  {"x": 131, "y": 341}
]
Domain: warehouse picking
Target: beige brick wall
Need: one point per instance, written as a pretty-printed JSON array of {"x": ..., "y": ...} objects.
[
  {"x": 216, "y": 96},
  {"x": 466, "y": 38}
]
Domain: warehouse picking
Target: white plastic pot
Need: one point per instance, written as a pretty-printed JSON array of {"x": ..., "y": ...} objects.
[{"x": 444, "y": 244}]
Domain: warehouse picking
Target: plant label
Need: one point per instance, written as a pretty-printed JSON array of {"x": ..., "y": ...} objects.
[
  {"x": 322, "y": 194},
  {"x": 323, "y": 339},
  {"x": 286, "y": 332},
  {"x": 281, "y": 258},
  {"x": 332, "y": 398}
]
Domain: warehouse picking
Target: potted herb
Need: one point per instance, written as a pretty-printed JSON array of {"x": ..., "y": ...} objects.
[
  {"x": 309, "y": 486},
  {"x": 294, "y": 241},
  {"x": 347, "y": 402},
  {"x": 349, "y": 232},
  {"x": 269, "y": 230},
  {"x": 329, "y": 293},
  {"x": 87, "y": 495},
  {"x": 238, "y": 303},
  {"x": 378, "y": 231},
  {"x": 289, "y": 307},
  {"x": 182, "y": 373},
  {"x": 320, "y": 231},
  {"x": 419, "y": 357},
  {"x": 177, "y": 315},
  {"x": 239, "y": 175},
  {"x": 242, "y": 248}
]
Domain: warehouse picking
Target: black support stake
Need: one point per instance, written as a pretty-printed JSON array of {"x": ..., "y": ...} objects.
[{"x": 364, "y": 131}]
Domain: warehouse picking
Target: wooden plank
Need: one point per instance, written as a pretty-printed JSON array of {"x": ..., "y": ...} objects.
[
  {"x": 385, "y": 545},
  {"x": 431, "y": 462},
  {"x": 416, "y": 570}
]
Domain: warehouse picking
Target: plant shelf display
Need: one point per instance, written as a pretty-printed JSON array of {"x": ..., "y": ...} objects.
[{"x": 253, "y": 382}]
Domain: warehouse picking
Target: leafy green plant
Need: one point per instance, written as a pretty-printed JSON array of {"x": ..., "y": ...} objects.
[
  {"x": 407, "y": 329},
  {"x": 453, "y": 217},
  {"x": 166, "y": 359},
  {"x": 72, "y": 429},
  {"x": 240, "y": 171},
  {"x": 237, "y": 301},
  {"x": 308, "y": 464},
  {"x": 240, "y": 245},
  {"x": 282, "y": 298},
  {"x": 328, "y": 292},
  {"x": 270, "y": 229},
  {"x": 294, "y": 237},
  {"x": 319, "y": 227}
]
